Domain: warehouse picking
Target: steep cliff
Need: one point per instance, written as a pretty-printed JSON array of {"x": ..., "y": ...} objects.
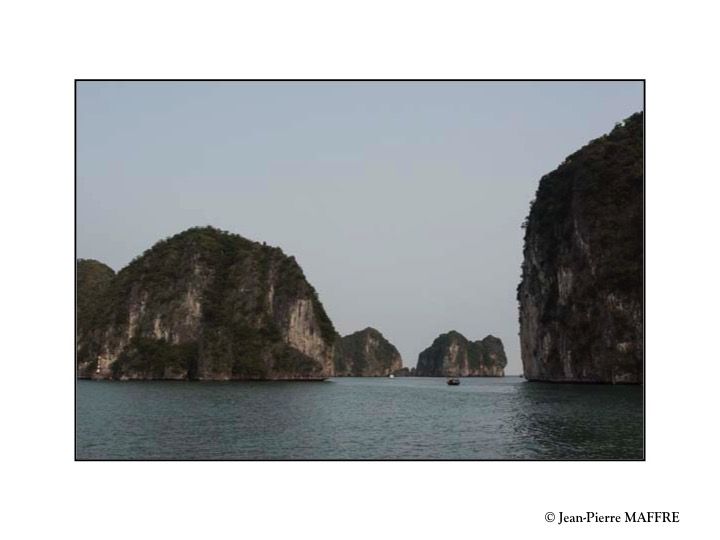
[
  {"x": 366, "y": 354},
  {"x": 581, "y": 305},
  {"x": 204, "y": 304},
  {"x": 452, "y": 355}
]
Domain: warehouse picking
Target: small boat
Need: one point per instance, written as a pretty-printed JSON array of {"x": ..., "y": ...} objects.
[
  {"x": 453, "y": 382},
  {"x": 391, "y": 376}
]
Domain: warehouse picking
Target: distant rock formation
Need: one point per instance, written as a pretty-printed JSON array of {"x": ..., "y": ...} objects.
[
  {"x": 93, "y": 280},
  {"x": 204, "y": 304},
  {"x": 581, "y": 295},
  {"x": 366, "y": 354},
  {"x": 452, "y": 355}
]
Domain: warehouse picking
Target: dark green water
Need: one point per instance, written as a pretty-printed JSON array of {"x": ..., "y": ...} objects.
[{"x": 358, "y": 418}]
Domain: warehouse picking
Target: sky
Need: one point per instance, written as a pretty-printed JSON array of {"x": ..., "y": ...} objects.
[{"x": 402, "y": 201}]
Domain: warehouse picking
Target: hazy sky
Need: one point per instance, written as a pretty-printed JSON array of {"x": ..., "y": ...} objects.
[{"x": 401, "y": 201}]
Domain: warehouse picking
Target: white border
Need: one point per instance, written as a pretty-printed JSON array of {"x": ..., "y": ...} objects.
[{"x": 48, "y": 44}]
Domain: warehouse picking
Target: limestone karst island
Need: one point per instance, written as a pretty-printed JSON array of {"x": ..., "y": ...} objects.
[{"x": 581, "y": 294}]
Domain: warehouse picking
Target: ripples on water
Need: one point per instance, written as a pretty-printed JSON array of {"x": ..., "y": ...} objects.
[{"x": 358, "y": 418}]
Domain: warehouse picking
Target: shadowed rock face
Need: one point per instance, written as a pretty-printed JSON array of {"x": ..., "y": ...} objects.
[
  {"x": 366, "y": 354},
  {"x": 93, "y": 280},
  {"x": 452, "y": 355},
  {"x": 581, "y": 316},
  {"x": 204, "y": 304}
]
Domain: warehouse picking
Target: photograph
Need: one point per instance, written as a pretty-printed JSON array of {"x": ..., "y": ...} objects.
[{"x": 359, "y": 270}]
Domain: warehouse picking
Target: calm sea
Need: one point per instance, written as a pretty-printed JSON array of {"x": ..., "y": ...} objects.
[{"x": 358, "y": 418}]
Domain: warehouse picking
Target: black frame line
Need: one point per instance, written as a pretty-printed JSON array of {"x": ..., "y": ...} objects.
[{"x": 75, "y": 382}]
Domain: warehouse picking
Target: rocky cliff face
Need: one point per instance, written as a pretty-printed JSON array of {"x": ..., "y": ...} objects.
[
  {"x": 581, "y": 306},
  {"x": 204, "y": 304},
  {"x": 366, "y": 354},
  {"x": 452, "y": 355}
]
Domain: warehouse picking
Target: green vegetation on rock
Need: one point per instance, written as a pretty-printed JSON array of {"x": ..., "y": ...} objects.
[
  {"x": 366, "y": 354},
  {"x": 245, "y": 308},
  {"x": 453, "y": 355},
  {"x": 581, "y": 290},
  {"x": 147, "y": 358},
  {"x": 93, "y": 280}
]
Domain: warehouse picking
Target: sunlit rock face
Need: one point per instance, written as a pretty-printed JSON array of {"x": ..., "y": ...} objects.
[
  {"x": 581, "y": 294},
  {"x": 204, "y": 304},
  {"x": 453, "y": 355},
  {"x": 366, "y": 354}
]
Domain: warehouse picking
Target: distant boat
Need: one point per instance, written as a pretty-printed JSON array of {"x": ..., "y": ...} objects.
[
  {"x": 391, "y": 376},
  {"x": 454, "y": 382}
]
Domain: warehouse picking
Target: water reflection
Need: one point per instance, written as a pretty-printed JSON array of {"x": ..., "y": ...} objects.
[
  {"x": 415, "y": 418},
  {"x": 568, "y": 421}
]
